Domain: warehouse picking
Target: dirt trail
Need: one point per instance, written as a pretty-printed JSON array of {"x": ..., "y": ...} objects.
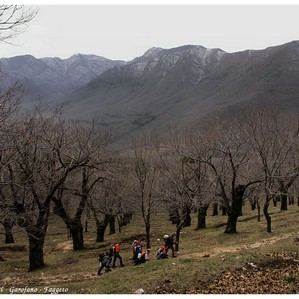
[
  {"x": 228, "y": 249},
  {"x": 59, "y": 279}
]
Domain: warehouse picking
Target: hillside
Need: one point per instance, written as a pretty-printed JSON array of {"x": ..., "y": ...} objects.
[
  {"x": 186, "y": 85},
  {"x": 183, "y": 86},
  {"x": 209, "y": 261},
  {"x": 50, "y": 78}
]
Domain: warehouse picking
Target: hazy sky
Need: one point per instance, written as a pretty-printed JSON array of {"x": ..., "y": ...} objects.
[{"x": 124, "y": 32}]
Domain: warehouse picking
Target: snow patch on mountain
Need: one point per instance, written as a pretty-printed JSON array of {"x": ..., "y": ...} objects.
[
  {"x": 152, "y": 51},
  {"x": 163, "y": 61}
]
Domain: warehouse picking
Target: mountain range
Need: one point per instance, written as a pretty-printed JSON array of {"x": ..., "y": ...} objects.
[
  {"x": 50, "y": 78},
  {"x": 184, "y": 85}
]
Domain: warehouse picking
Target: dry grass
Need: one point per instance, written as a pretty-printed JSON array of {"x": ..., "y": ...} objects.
[{"x": 204, "y": 255}]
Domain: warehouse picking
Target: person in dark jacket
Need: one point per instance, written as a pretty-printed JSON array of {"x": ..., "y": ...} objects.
[
  {"x": 105, "y": 261},
  {"x": 169, "y": 243}
]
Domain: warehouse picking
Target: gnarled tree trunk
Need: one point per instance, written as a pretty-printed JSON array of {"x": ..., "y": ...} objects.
[
  {"x": 267, "y": 216},
  {"x": 76, "y": 230},
  {"x": 215, "y": 209},
  {"x": 112, "y": 225},
  {"x": 101, "y": 227},
  {"x": 8, "y": 225},
  {"x": 36, "y": 252},
  {"x": 201, "y": 217},
  {"x": 236, "y": 209},
  {"x": 186, "y": 217}
]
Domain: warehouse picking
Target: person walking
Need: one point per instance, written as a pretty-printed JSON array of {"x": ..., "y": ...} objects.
[
  {"x": 105, "y": 260},
  {"x": 116, "y": 255}
]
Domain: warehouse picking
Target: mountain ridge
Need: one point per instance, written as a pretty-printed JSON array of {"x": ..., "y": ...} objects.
[
  {"x": 51, "y": 78},
  {"x": 186, "y": 84}
]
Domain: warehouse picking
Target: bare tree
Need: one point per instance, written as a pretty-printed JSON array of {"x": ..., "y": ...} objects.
[
  {"x": 104, "y": 204},
  {"x": 271, "y": 134},
  {"x": 7, "y": 214},
  {"x": 229, "y": 156},
  {"x": 179, "y": 186},
  {"x": 204, "y": 182},
  {"x": 145, "y": 173},
  {"x": 72, "y": 197},
  {"x": 14, "y": 20},
  {"x": 48, "y": 150},
  {"x": 9, "y": 103}
]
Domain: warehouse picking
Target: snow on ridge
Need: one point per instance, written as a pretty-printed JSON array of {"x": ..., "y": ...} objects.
[
  {"x": 168, "y": 58},
  {"x": 152, "y": 51}
]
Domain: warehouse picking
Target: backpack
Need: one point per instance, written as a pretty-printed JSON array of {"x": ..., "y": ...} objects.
[
  {"x": 106, "y": 261},
  {"x": 138, "y": 249},
  {"x": 116, "y": 248}
]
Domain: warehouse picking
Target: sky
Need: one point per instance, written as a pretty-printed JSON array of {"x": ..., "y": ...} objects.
[{"x": 123, "y": 32}]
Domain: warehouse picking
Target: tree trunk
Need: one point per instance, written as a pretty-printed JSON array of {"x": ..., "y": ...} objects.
[
  {"x": 201, "y": 217},
  {"x": 127, "y": 218},
  {"x": 177, "y": 236},
  {"x": 284, "y": 202},
  {"x": 36, "y": 236},
  {"x": 258, "y": 212},
  {"x": 76, "y": 229},
  {"x": 8, "y": 225},
  {"x": 224, "y": 211},
  {"x": 36, "y": 252},
  {"x": 283, "y": 196},
  {"x": 275, "y": 200},
  {"x": 101, "y": 227},
  {"x": 68, "y": 232},
  {"x": 253, "y": 204},
  {"x": 112, "y": 225},
  {"x": 267, "y": 216},
  {"x": 119, "y": 223},
  {"x": 291, "y": 200},
  {"x": 101, "y": 232},
  {"x": 86, "y": 226},
  {"x": 236, "y": 210},
  {"x": 215, "y": 209},
  {"x": 231, "y": 226},
  {"x": 147, "y": 231},
  {"x": 74, "y": 225},
  {"x": 186, "y": 217},
  {"x": 174, "y": 216}
]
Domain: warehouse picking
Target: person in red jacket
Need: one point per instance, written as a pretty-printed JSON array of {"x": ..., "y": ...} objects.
[{"x": 116, "y": 254}]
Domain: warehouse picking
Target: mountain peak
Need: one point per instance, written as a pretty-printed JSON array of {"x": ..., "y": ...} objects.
[{"x": 152, "y": 51}]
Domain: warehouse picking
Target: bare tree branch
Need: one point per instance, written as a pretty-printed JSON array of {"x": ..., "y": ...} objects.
[{"x": 14, "y": 20}]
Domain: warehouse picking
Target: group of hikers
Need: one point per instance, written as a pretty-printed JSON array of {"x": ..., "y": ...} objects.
[
  {"x": 140, "y": 253},
  {"x": 106, "y": 258},
  {"x": 162, "y": 252}
]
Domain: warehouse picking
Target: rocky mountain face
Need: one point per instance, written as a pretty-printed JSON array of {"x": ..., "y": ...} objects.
[
  {"x": 182, "y": 86},
  {"x": 50, "y": 78},
  {"x": 186, "y": 85}
]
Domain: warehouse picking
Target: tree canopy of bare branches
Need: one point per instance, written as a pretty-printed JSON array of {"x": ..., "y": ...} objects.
[
  {"x": 14, "y": 20},
  {"x": 145, "y": 173}
]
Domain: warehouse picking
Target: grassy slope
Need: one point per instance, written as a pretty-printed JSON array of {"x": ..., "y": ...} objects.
[{"x": 204, "y": 255}]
